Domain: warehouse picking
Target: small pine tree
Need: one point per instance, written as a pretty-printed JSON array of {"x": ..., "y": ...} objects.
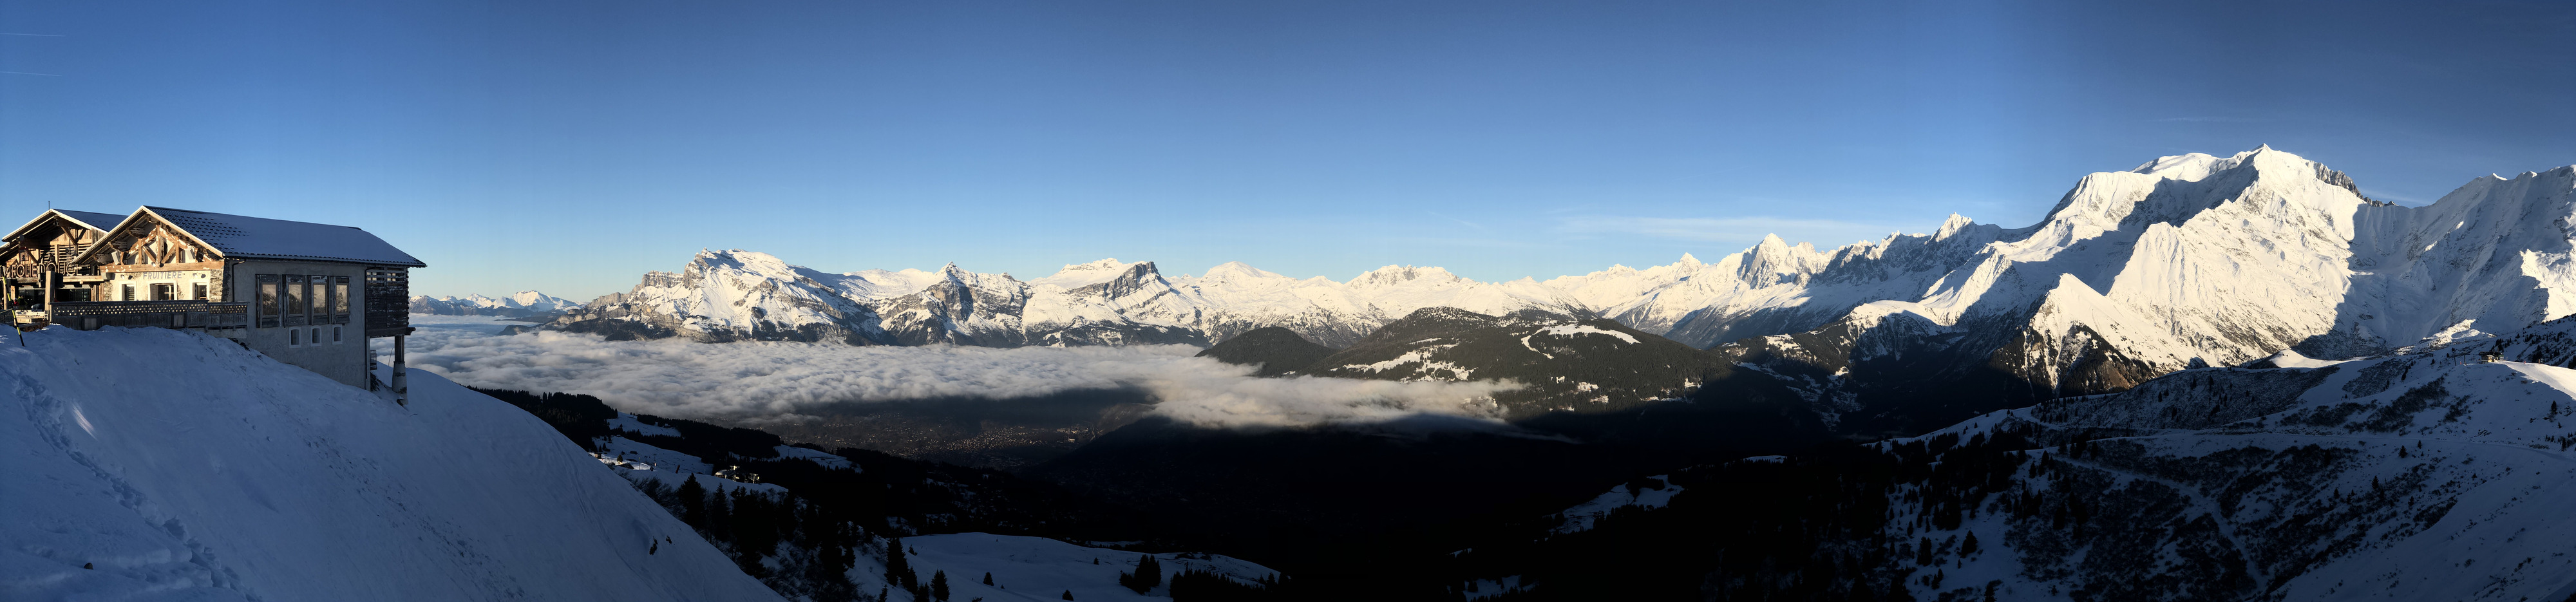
[
  {"x": 1969, "y": 545},
  {"x": 898, "y": 568},
  {"x": 939, "y": 585},
  {"x": 988, "y": 578},
  {"x": 1068, "y": 594}
]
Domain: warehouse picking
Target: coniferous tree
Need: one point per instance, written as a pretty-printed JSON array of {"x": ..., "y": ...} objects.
[
  {"x": 693, "y": 503},
  {"x": 898, "y": 570},
  {"x": 1969, "y": 545},
  {"x": 988, "y": 578},
  {"x": 939, "y": 586},
  {"x": 1068, "y": 594}
]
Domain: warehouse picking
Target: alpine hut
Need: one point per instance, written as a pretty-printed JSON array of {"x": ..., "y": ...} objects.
[{"x": 304, "y": 293}]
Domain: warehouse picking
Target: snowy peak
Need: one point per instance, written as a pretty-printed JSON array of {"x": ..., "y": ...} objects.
[
  {"x": 1079, "y": 275},
  {"x": 1775, "y": 261},
  {"x": 1236, "y": 271},
  {"x": 520, "y": 304},
  {"x": 1398, "y": 275}
]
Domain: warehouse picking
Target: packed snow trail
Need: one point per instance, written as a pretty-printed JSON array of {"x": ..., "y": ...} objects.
[{"x": 152, "y": 464}]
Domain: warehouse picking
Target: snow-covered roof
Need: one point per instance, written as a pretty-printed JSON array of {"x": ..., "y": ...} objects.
[
  {"x": 92, "y": 219},
  {"x": 245, "y": 237}
]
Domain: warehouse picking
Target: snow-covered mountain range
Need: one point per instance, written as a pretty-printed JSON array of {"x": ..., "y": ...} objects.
[
  {"x": 2184, "y": 245},
  {"x": 518, "y": 305},
  {"x": 2185, "y": 260}
]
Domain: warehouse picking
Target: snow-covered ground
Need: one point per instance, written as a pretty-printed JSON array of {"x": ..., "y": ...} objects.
[
  {"x": 1041, "y": 569},
  {"x": 2417, "y": 477},
  {"x": 1580, "y": 517},
  {"x": 152, "y": 464}
]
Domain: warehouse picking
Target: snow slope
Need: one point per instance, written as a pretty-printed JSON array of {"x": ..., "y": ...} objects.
[
  {"x": 178, "y": 466},
  {"x": 2417, "y": 477},
  {"x": 1041, "y": 569}
]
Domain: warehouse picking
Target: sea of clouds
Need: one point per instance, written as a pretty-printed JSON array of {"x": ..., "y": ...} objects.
[{"x": 757, "y": 381}]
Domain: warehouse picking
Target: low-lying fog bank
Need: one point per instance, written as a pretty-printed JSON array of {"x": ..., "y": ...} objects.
[{"x": 771, "y": 382}]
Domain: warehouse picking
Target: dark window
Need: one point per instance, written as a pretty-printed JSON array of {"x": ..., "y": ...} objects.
[
  {"x": 269, "y": 309},
  {"x": 128, "y": 294},
  {"x": 165, "y": 292},
  {"x": 294, "y": 336},
  {"x": 199, "y": 292},
  {"x": 296, "y": 304},
  {"x": 335, "y": 334}
]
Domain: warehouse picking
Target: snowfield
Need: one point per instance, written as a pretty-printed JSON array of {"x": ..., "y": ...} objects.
[
  {"x": 1042, "y": 570},
  {"x": 2416, "y": 477},
  {"x": 151, "y": 464}
]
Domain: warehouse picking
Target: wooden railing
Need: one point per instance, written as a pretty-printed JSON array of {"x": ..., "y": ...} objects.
[{"x": 90, "y": 315}]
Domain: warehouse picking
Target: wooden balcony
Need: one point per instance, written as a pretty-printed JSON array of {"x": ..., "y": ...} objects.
[{"x": 209, "y": 315}]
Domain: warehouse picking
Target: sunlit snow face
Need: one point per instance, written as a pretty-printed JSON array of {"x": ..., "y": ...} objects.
[{"x": 759, "y": 381}]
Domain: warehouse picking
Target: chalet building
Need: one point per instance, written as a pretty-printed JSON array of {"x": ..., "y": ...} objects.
[{"x": 304, "y": 293}]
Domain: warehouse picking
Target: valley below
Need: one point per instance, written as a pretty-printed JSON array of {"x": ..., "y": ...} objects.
[{"x": 2205, "y": 378}]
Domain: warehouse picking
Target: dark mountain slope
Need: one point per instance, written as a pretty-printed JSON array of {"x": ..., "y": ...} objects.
[
  {"x": 1277, "y": 350},
  {"x": 1563, "y": 363}
]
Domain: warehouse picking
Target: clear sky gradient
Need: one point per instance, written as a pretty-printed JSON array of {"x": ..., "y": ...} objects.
[{"x": 570, "y": 146}]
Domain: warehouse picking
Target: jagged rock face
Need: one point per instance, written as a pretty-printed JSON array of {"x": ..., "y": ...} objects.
[
  {"x": 1563, "y": 363},
  {"x": 1278, "y": 351},
  {"x": 2190, "y": 260}
]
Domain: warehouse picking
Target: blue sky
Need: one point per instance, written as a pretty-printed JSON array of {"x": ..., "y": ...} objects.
[{"x": 570, "y": 146}]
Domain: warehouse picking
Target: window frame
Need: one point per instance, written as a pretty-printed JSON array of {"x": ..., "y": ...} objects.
[
  {"x": 268, "y": 300},
  {"x": 297, "y": 305},
  {"x": 340, "y": 296}
]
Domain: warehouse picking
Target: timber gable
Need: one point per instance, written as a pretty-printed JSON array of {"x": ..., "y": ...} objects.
[{"x": 303, "y": 293}]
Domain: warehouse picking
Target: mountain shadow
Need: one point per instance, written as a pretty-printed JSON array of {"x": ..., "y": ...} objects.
[{"x": 1279, "y": 351}]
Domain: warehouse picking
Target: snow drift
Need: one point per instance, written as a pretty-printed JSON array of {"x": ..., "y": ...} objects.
[{"x": 154, "y": 464}]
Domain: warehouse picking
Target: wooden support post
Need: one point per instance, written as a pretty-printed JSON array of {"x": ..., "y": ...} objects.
[{"x": 402, "y": 387}]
